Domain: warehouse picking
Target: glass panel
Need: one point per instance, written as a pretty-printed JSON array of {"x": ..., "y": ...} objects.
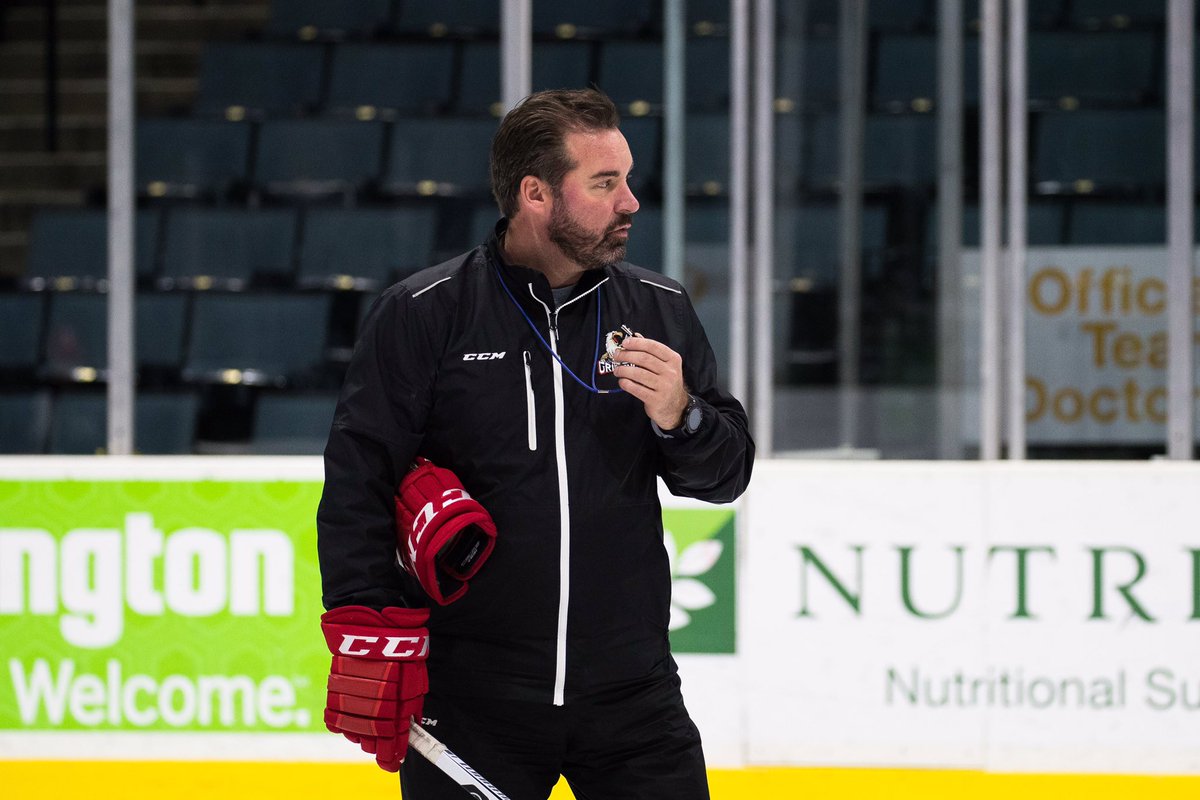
[
  {"x": 1095, "y": 292},
  {"x": 891, "y": 411}
]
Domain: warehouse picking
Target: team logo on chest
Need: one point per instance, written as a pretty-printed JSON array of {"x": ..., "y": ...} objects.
[{"x": 612, "y": 347}]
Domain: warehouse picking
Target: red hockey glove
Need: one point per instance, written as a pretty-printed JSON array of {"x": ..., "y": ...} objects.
[
  {"x": 377, "y": 681},
  {"x": 443, "y": 535}
]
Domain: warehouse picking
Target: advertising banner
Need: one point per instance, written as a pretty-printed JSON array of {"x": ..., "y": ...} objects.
[
  {"x": 160, "y": 605},
  {"x": 1096, "y": 344},
  {"x": 1032, "y": 618}
]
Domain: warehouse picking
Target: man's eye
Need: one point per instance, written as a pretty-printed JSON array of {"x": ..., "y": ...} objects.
[{"x": 603, "y": 184}]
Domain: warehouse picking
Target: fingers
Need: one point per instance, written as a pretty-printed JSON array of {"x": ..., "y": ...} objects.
[
  {"x": 651, "y": 357},
  {"x": 633, "y": 346}
]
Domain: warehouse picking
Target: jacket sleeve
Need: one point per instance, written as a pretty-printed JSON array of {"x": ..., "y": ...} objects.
[
  {"x": 376, "y": 433},
  {"x": 714, "y": 463}
]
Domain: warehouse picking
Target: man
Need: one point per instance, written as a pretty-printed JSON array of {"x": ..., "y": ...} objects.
[{"x": 558, "y": 383}]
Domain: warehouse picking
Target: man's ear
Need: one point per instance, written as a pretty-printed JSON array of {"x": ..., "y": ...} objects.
[{"x": 534, "y": 194}]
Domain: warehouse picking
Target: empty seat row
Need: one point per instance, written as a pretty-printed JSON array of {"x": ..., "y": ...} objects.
[
  {"x": 1083, "y": 152},
  {"x": 1067, "y": 70},
  {"x": 1080, "y": 151},
  {"x": 366, "y": 249},
  {"x": 255, "y": 339},
  {"x": 234, "y": 248},
  {"x": 566, "y": 19},
  {"x": 346, "y": 249},
  {"x": 244, "y": 79},
  {"x": 255, "y": 79},
  {"x": 202, "y": 158},
  {"x": 197, "y": 158},
  {"x": 75, "y": 423},
  {"x": 310, "y": 19}
]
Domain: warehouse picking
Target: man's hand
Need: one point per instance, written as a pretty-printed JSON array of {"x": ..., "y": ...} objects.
[
  {"x": 377, "y": 680},
  {"x": 653, "y": 373}
]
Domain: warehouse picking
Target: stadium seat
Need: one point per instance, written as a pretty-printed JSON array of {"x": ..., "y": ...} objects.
[
  {"x": 806, "y": 73},
  {"x": 1045, "y": 226},
  {"x": 320, "y": 19},
  {"x": 899, "y": 151},
  {"x": 483, "y": 222},
  {"x": 370, "y": 80},
  {"x": 24, "y": 422},
  {"x": 21, "y": 318},
  {"x": 556, "y": 65},
  {"x": 240, "y": 79},
  {"x": 642, "y": 135},
  {"x": 707, "y": 73},
  {"x": 256, "y": 338},
  {"x": 439, "y": 156},
  {"x": 292, "y": 423},
  {"x": 1074, "y": 69},
  {"x": 1119, "y": 14},
  {"x": 823, "y": 16},
  {"x": 1087, "y": 151},
  {"x": 707, "y": 17},
  {"x": 1117, "y": 224},
  {"x": 906, "y": 73},
  {"x": 706, "y": 154},
  {"x": 790, "y": 154},
  {"x": 191, "y": 158},
  {"x": 1044, "y": 14},
  {"x": 645, "y": 238},
  {"x": 77, "y": 335},
  {"x": 318, "y": 157},
  {"x": 163, "y": 423},
  {"x": 365, "y": 303},
  {"x": 568, "y": 19},
  {"x": 365, "y": 248},
  {"x": 226, "y": 248},
  {"x": 631, "y": 73},
  {"x": 447, "y": 18},
  {"x": 704, "y": 224},
  {"x": 68, "y": 248},
  {"x": 808, "y": 243}
]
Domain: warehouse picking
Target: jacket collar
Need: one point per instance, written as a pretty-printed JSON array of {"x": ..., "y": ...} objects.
[{"x": 519, "y": 277}]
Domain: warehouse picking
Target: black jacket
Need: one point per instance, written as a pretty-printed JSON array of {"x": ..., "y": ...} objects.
[{"x": 448, "y": 367}]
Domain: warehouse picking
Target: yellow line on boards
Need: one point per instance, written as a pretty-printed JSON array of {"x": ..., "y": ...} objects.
[{"x": 141, "y": 780}]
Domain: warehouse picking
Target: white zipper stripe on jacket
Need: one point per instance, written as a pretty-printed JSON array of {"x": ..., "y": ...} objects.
[
  {"x": 564, "y": 511},
  {"x": 564, "y": 502}
]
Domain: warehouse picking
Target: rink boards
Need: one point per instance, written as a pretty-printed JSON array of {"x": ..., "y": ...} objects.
[{"x": 981, "y": 621}]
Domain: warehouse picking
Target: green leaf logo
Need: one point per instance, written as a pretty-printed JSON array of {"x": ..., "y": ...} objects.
[{"x": 700, "y": 548}]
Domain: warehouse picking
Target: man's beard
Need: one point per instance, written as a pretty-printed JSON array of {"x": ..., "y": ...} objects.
[{"x": 581, "y": 245}]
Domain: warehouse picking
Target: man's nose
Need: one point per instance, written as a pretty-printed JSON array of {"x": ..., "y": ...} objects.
[{"x": 627, "y": 203}]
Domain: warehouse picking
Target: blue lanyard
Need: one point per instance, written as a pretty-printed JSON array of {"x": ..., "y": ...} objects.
[{"x": 550, "y": 350}]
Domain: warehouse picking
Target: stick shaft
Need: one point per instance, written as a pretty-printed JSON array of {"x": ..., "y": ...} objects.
[{"x": 458, "y": 770}]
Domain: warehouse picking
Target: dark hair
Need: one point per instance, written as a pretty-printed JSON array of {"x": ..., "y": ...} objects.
[{"x": 530, "y": 140}]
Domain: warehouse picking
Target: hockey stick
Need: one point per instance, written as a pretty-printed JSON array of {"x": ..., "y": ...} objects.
[{"x": 471, "y": 781}]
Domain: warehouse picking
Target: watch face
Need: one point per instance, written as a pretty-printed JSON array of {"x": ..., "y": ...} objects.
[{"x": 691, "y": 420}]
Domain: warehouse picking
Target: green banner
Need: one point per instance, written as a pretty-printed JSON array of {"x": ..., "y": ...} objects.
[
  {"x": 193, "y": 606},
  {"x": 160, "y": 606}
]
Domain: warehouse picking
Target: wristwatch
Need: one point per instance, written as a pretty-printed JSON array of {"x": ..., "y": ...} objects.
[{"x": 693, "y": 415}]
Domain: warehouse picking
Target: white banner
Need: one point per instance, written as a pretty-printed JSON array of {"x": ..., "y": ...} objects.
[{"x": 1034, "y": 617}]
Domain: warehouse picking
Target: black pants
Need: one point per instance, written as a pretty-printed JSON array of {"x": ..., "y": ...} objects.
[{"x": 636, "y": 742}]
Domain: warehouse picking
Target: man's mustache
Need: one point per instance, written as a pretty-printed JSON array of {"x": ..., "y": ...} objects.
[{"x": 622, "y": 219}]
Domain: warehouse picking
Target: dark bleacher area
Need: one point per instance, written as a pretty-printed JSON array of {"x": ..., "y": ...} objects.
[{"x": 327, "y": 150}]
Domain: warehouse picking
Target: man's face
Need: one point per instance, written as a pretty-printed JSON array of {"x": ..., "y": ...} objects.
[{"x": 593, "y": 208}]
